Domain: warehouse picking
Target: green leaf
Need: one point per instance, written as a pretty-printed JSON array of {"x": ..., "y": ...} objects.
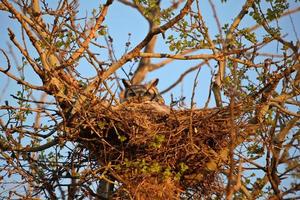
[{"x": 183, "y": 167}]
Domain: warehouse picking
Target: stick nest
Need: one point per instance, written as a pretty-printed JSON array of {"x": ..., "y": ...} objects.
[{"x": 154, "y": 150}]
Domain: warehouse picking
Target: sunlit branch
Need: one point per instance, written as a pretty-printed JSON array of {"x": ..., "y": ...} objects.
[
  {"x": 34, "y": 40},
  {"x": 179, "y": 56},
  {"x": 253, "y": 28},
  {"x": 158, "y": 65},
  {"x": 216, "y": 18},
  {"x": 203, "y": 26},
  {"x": 238, "y": 19},
  {"x": 39, "y": 148},
  {"x": 92, "y": 34},
  {"x": 285, "y": 111},
  {"x": 135, "y": 52},
  {"x": 25, "y": 54},
  {"x": 7, "y": 60},
  {"x": 21, "y": 81},
  {"x": 182, "y": 76},
  {"x": 33, "y": 101}
]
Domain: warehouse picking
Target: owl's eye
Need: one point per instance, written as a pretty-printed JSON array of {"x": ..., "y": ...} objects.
[
  {"x": 142, "y": 92},
  {"x": 147, "y": 93},
  {"x": 131, "y": 94}
]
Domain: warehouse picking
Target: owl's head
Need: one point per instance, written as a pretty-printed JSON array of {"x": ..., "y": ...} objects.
[{"x": 141, "y": 93}]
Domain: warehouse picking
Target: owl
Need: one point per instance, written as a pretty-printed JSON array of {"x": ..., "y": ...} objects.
[{"x": 141, "y": 93}]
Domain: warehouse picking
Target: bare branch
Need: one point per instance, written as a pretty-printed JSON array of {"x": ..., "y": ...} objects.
[
  {"x": 182, "y": 76},
  {"x": 295, "y": 10},
  {"x": 7, "y": 60},
  {"x": 92, "y": 34},
  {"x": 135, "y": 52},
  {"x": 21, "y": 81}
]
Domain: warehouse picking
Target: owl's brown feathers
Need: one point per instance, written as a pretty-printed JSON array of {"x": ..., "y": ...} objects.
[{"x": 141, "y": 93}]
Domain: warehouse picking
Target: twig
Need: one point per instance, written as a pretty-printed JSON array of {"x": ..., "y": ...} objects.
[
  {"x": 213, "y": 7},
  {"x": 92, "y": 35},
  {"x": 192, "y": 109},
  {"x": 182, "y": 76},
  {"x": 136, "y": 51},
  {"x": 7, "y": 60},
  {"x": 283, "y": 15},
  {"x": 21, "y": 81},
  {"x": 179, "y": 56}
]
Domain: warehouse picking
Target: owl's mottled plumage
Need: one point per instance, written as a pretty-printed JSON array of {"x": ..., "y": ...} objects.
[{"x": 142, "y": 93}]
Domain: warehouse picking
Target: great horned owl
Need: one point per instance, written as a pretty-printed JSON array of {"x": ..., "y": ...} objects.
[{"x": 141, "y": 93}]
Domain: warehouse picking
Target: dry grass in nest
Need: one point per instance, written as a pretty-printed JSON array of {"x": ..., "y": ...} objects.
[{"x": 148, "y": 145}]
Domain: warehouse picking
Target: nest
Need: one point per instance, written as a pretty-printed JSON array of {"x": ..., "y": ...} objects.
[{"x": 157, "y": 152}]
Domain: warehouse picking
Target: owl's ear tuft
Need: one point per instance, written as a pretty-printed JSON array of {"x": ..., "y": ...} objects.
[
  {"x": 153, "y": 83},
  {"x": 126, "y": 83}
]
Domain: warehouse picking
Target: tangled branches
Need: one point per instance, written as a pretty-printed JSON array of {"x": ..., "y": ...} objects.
[{"x": 148, "y": 146}]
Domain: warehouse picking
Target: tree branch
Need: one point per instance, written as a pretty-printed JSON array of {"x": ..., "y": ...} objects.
[{"x": 135, "y": 52}]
